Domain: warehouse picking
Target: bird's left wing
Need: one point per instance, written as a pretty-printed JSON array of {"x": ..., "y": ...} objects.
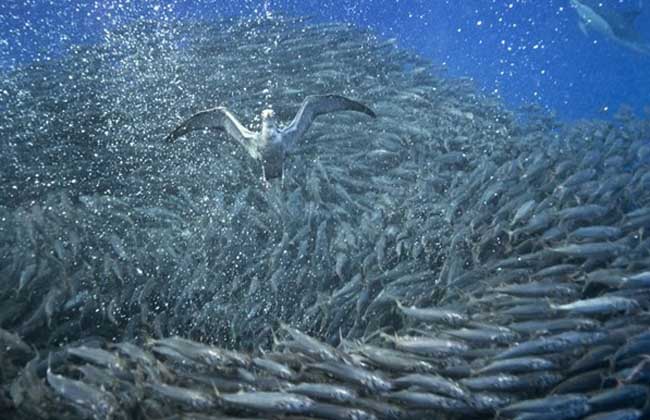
[{"x": 221, "y": 119}]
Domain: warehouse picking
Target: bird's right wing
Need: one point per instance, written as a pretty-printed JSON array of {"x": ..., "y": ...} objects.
[
  {"x": 316, "y": 105},
  {"x": 221, "y": 119}
]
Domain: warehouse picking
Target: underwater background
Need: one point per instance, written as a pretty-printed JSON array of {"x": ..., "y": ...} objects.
[
  {"x": 471, "y": 243},
  {"x": 527, "y": 52}
]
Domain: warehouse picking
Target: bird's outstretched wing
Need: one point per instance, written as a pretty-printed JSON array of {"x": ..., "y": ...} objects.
[
  {"x": 312, "y": 107},
  {"x": 221, "y": 119}
]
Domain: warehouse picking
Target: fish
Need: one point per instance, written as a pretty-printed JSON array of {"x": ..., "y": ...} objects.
[
  {"x": 623, "y": 414},
  {"x": 432, "y": 383},
  {"x": 434, "y": 347},
  {"x": 596, "y": 250},
  {"x": 325, "y": 392},
  {"x": 585, "y": 382},
  {"x": 393, "y": 360},
  {"x": 312, "y": 346},
  {"x": 587, "y": 212},
  {"x": 506, "y": 382},
  {"x": 635, "y": 281},
  {"x": 561, "y": 406},
  {"x": 615, "y": 25},
  {"x": 427, "y": 401},
  {"x": 373, "y": 381},
  {"x": 269, "y": 402},
  {"x": 523, "y": 212},
  {"x": 336, "y": 412},
  {"x": 194, "y": 399},
  {"x": 100, "y": 357},
  {"x": 484, "y": 336},
  {"x": 273, "y": 367},
  {"x": 518, "y": 365},
  {"x": 540, "y": 290},
  {"x": 554, "y": 343},
  {"x": 200, "y": 353},
  {"x": 596, "y": 233},
  {"x": 599, "y": 306},
  {"x": 99, "y": 403},
  {"x": 432, "y": 315},
  {"x": 12, "y": 343},
  {"x": 541, "y": 327},
  {"x": 595, "y": 358},
  {"x": 626, "y": 395}
]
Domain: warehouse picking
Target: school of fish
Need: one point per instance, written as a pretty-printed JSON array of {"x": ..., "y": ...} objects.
[{"x": 449, "y": 259}]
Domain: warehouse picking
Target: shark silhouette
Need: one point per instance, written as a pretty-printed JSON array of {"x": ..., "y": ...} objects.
[{"x": 614, "y": 24}]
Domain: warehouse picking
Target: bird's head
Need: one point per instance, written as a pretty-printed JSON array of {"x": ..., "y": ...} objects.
[
  {"x": 268, "y": 119},
  {"x": 268, "y": 114}
]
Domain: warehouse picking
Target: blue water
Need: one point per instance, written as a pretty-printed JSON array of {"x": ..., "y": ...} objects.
[{"x": 525, "y": 51}]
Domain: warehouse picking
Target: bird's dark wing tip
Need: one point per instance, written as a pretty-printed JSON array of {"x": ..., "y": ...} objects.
[
  {"x": 171, "y": 137},
  {"x": 359, "y": 107},
  {"x": 353, "y": 105}
]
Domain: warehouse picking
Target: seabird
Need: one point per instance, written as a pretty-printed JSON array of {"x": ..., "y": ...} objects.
[{"x": 271, "y": 144}]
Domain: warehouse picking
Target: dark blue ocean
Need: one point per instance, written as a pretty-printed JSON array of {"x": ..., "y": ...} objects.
[{"x": 526, "y": 52}]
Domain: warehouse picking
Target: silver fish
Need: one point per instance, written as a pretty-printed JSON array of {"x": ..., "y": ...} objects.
[
  {"x": 101, "y": 404},
  {"x": 269, "y": 402}
]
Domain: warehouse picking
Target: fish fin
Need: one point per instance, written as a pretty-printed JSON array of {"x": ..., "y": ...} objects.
[
  {"x": 471, "y": 299},
  {"x": 379, "y": 332},
  {"x": 395, "y": 299},
  {"x": 644, "y": 49},
  {"x": 274, "y": 338},
  {"x": 388, "y": 337},
  {"x": 583, "y": 28}
]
